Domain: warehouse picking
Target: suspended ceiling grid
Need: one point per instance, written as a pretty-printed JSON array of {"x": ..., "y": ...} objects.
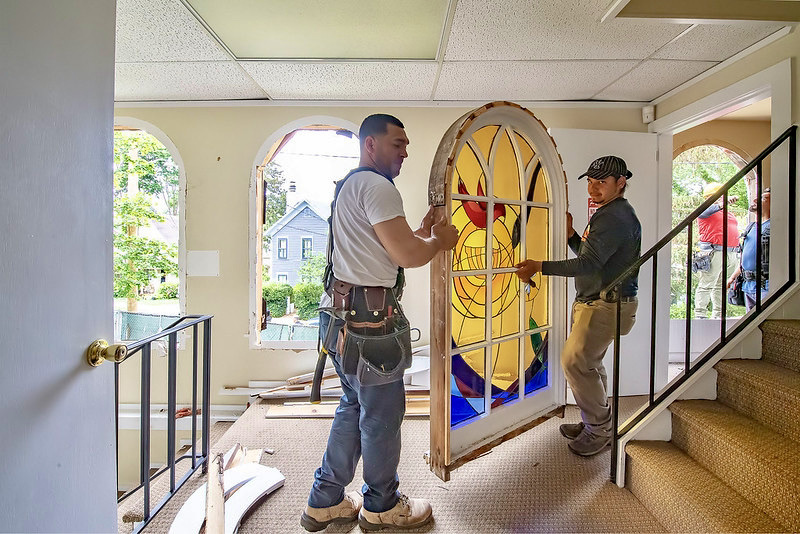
[{"x": 419, "y": 50}]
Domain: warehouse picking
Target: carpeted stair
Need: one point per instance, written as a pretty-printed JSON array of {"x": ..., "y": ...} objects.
[{"x": 733, "y": 464}]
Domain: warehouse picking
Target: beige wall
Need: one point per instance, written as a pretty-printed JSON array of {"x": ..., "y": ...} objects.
[
  {"x": 218, "y": 146},
  {"x": 786, "y": 47},
  {"x": 746, "y": 138}
]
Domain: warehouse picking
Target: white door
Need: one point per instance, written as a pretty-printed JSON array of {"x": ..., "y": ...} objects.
[
  {"x": 578, "y": 148},
  {"x": 56, "y": 118}
]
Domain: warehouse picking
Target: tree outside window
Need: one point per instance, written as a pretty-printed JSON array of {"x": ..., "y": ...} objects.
[{"x": 146, "y": 184}]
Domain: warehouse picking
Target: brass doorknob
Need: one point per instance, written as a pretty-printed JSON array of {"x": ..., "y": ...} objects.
[{"x": 100, "y": 350}]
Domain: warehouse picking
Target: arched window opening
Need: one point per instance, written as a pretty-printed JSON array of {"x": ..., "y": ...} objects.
[
  {"x": 146, "y": 234},
  {"x": 296, "y": 182}
]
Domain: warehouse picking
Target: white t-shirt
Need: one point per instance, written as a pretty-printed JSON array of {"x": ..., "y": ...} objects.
[{"x": 366, "y": 199}]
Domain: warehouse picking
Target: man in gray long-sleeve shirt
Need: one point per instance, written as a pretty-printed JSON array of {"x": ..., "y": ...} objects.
[{"x": 609, "y": 245}]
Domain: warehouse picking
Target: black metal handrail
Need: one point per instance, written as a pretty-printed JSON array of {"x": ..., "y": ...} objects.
[
  {"x": 144, "y": 346},
  {"x": 611, "y": 292}
]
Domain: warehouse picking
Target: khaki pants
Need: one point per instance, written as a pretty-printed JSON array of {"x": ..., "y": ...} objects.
[
  {"x": 709, "y": 284},
  {"x": 593, "y": 330}
]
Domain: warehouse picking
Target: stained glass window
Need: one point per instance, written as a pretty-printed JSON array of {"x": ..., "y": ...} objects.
[
  {"x": 499, "y": 194},
  {"x": 493, "y": 336}
]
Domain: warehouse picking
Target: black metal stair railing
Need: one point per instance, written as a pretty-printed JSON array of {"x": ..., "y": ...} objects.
[
  {"x": 197, "y": 461},
  {"x": 611, "y": 292}
]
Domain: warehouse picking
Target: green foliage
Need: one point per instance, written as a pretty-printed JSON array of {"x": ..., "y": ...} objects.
[
  {"x": 139, "y": 153},
  {"x": 306, "y": 299},
  {"x": 138, "y": 259},
  {"x": 274, "y": 198},
  {"x": 313, "y": 268},
  {"x": 276, "y": 294},
  {"x": 168, "y": 290}
]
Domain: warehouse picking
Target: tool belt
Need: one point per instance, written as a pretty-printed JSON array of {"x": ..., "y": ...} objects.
[
  {"x": 369, "y": 332},
  {"x": 751, "y": 275},
  {"x": 701, "y": 258}
]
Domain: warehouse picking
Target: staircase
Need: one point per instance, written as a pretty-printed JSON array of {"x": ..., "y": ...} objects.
[{"x": 733, "y": 464}]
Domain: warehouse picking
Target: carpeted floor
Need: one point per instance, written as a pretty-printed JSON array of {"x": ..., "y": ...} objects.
[{"x": 529, "y": 484}]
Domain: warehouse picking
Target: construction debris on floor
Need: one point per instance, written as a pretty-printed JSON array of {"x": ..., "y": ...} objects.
[
  {"x": 298, "y": 388},
  {"x": 236, "y": 481}
]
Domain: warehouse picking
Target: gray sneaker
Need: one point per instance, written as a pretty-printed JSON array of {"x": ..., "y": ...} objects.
[
  {"x": 588, "y": 444},
  {"x": 571, "y": 430}
]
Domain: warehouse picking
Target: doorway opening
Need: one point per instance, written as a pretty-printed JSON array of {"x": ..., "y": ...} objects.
[{"x": 705, "y": 157}]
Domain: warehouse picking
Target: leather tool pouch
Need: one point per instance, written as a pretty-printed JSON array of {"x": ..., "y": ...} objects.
[
  {"x": 375, "y": 343},
  {"x": 701, "y": 259}
]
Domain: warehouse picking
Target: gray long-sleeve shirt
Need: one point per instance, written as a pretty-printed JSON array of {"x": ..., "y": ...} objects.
[{"x": 610, "y": 244}]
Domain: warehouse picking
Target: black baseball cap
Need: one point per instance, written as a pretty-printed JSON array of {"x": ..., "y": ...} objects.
[{"x": 607, "y": 166}]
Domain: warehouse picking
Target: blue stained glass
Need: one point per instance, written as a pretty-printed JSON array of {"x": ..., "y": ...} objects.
[
  {"x": 536, "y": 373},
  {"x": 463, "y": 409}
]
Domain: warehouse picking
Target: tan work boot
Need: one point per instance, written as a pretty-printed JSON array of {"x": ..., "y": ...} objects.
[
  {"x": 571, "y": 430},
  {"x": 407, "y": 513},
  {"x": 314, "y": 519}
]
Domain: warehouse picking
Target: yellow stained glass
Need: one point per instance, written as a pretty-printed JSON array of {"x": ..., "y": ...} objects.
[
  {"x": 537, "y": 183},
  {"x": 469, "y": 253},
  {"x": 505, "y": 304},
  {"x": 505, "y": 372},
  {"x": 485, "y": 138},
  {"x": 505, "y": 248},
  {"x": 505, "y": 171},
  {"x": 469, "y": 309},
  {"x": 469, "y": 177},
  {"x": 538, "y": 248},
  {"x": 525, "y": 150}
]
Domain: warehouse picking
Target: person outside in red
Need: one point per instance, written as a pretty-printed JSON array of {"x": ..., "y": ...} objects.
[{"x": 711, "y": 280}]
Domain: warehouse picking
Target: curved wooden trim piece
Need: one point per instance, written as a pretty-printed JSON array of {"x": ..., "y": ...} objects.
[
  {"x": 249, "y": 494},
  {"x": 192, "y": 514}
]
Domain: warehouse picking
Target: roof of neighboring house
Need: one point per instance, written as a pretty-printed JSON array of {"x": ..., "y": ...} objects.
[
  {"x": 166, "y": 230},
  {"x": 291, "y": 214}
]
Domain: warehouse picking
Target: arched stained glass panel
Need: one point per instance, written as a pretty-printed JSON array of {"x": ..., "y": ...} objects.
[{"x": 494, "y": 334}]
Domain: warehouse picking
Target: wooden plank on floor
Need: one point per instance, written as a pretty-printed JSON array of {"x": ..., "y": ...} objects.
[{"x": 414, "y": 408}]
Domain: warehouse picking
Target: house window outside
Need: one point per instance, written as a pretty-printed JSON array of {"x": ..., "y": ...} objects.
[
  {"x": 307, "y": 247},
  {"x": 283, "y": 278},
  {"x": 283, "y": 248}
]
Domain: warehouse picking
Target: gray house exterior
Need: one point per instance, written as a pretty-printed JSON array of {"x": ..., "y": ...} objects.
[{"x": 293, "y": 239}]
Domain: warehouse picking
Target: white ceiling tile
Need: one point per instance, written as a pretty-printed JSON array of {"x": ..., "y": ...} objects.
[
  {"x": 716, "y": 42},
  {"x": 162, "y": 30},
  {"x": 527, "y": 80},
  {"x": 653, "y": 78},
  {"x": 344, "y": 80},
  {"x": 217, "y": 80},
  {"x": 550, "y": 29}
]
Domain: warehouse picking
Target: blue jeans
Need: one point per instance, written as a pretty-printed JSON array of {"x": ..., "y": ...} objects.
[
  {"x": 366, "y": 425},
  {"x": 750, "y": 299}
]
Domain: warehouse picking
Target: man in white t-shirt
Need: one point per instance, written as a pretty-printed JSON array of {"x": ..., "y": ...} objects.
[{"x": 371, "y": 240}]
